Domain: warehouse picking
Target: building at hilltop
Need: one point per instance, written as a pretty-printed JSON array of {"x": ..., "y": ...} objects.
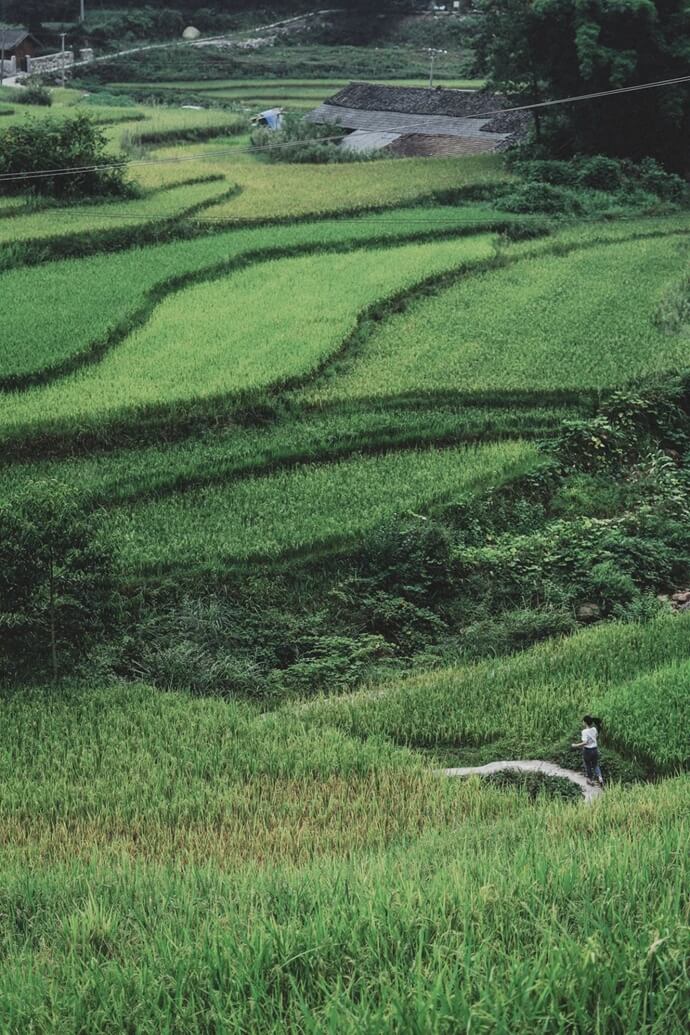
[
  {"x": 16, "y": 46},
  {"x": 417, "y": 121}
]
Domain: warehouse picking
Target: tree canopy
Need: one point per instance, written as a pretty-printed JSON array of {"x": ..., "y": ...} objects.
[{"x": 548, "y": 49}]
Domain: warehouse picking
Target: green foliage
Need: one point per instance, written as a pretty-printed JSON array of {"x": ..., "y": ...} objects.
[
  {"x": 541, "y": 197},
  {"x": 48, "y": 143},
  {"x": 536, "y": 786},
  {"x": 304, "y": 143},
  {"x": 621, "y": 179},
  {"x": 55, "y": 582},
  {"x": 35, "y": 93},
  {"x": 557, "y": 49}
]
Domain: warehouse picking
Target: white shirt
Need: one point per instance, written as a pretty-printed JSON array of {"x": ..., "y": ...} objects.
[{"x": 589, "y": 736}]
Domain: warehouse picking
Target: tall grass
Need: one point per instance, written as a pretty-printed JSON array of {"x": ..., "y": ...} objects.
[
  {"x": 532, "y": 703},
  {"x": 220, "y": 337},
  {"x": 584, "y": 321},
  {"x": 651, "y": 716},
  {"x": 552, "y": 919},
  {"x": 309, "y": 507}
]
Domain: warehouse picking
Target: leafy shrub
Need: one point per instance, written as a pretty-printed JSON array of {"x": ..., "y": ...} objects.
[
  {"x": 654, "y": 179},
  {"x": 536, "y": 786},
  {"x": 49, "y": 143},
  {"x": 37, "y": 94},
  {"x": 541, "y": 197},
  {"x": 599, "y": 173},
  {"x": 557, "y": 173},
  {"x": 414, "y": 557},
  {"x": 56, "y": 582},
  {"x": 304, "y": 143},
  {"x": 106, "y": 99},
  {"x": 513, "y": 631},
  {"x": 332, "y": 663},
  {"x": 639, "y": 185}
]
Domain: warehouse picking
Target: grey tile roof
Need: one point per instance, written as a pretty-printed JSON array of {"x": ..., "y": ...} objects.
[
  {"x": 11, "y": 38},
  {"x": 414, "y": 100},
  {"x": 396, "y": 122},
  {"x": 449, "y": 107}
]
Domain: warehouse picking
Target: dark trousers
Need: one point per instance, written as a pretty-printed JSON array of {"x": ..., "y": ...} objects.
[{"x": 591, "y": 759}]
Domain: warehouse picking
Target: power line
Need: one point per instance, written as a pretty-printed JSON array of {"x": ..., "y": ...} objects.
[{"x": 401, "y": 130}]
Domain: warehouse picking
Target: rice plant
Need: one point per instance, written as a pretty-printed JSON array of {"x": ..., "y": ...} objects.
[
  {"x": 87, "y": 298},
  {"x": 309, "y": 507},
  {"x": 651, "y": 716},
  {"x": 583, "y": 321},
  {"x": 535, "y": 700},
  {"x": 148, "y": 883},
  {"x": 220, "y": 337}
]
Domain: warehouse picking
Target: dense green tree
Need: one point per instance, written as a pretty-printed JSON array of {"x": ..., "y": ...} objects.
[
  {"x": 549, "y": 49},
  {"x": 57, "y": 143},
  {"x": 56, "y": 585}
]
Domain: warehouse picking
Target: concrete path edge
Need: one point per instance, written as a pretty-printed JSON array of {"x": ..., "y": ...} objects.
[{"x": 589, "y": 794}]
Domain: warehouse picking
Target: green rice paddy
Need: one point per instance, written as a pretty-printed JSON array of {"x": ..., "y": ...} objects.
[
  {"x": 250, "y": 380},
  {"x": 585, "y": 321},
  {"x": 232, "y": 342},
  {"x": 304, "y": 509}
]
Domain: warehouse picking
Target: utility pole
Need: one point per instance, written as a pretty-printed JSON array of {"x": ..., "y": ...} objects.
[
  {"x": 2, "y": 47},
  {"x": 62, "y": 58},
  {"x": 82, "y": 12},
  {"x": 433, "y": 54}
]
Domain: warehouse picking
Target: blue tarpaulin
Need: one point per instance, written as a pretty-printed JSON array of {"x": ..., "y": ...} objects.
[{"x": 273, "y": 118}]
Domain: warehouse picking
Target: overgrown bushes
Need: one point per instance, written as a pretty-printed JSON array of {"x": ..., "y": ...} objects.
[
  {"x": 56, "y": 583},
  {"x": 37, "y": 94},
  {"x": 595, "y": 534},
  {"x": 590, "y": 184},
  {"x": 30, "y": 151},
  {"x": 304, "y": 143}
]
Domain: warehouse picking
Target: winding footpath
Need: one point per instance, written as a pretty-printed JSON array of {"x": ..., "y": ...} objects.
[{"x": 589, "y": 793}]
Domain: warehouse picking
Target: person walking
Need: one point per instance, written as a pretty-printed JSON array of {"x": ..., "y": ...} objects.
[{"x": 589, "y": 744}]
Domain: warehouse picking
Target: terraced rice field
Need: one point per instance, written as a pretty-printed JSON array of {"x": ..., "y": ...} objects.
[
  {"x": 633, "y": 669},
  {"x": 89, "y": 297},
  {"x": 217, "y": 850},
  {"x": 290, "y": 191},
  {"x": 233, "y": 343},
  {"x": 584, "y": 321},
  {"x": 238, "y": 405},
  {"x": 319, "y": 506},
  {"x": 121, "y": 216}
]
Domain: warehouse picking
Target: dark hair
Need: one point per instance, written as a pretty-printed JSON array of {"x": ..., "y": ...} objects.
[{"x": 589, "y": 719}]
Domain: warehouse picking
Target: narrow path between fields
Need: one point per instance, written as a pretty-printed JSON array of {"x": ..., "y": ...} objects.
[{"x": 529, "y": 766}]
